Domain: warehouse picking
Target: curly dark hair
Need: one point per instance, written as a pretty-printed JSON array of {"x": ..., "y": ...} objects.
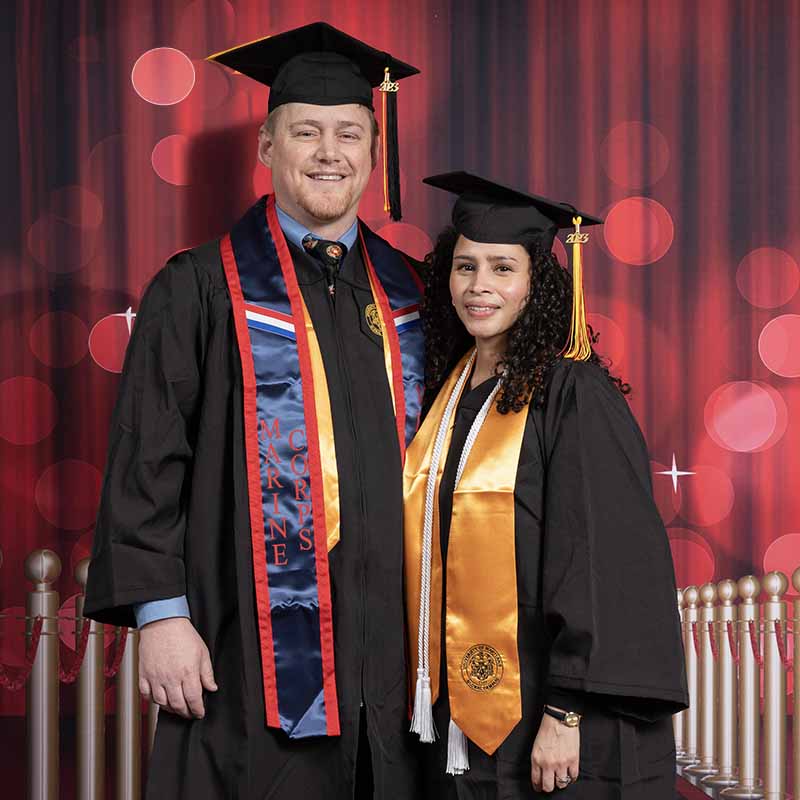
[{"x": 535, "y": 340}]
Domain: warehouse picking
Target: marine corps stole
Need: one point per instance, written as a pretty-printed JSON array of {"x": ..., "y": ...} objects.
[
  {"x": 292, "y": 482},
  {"x": 483, "y": 680}
]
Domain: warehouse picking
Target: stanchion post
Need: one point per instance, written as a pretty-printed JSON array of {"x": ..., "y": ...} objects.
[
  {"x": 91, "y": 719},
  {"x": 42, "y": 568},
  {"x": 748, "y": 786},
  {"x": 129, "y": 722},
  {"x": 726, "y": 689},
  {"x": 677, "y": 719},
  {"x": 775, "y": 585},
  {"x": 690, "y": 715},
  {"x": 707, "y": 684}
]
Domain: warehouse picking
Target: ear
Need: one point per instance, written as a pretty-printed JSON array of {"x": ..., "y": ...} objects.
[{"x": 265, "y": 147}]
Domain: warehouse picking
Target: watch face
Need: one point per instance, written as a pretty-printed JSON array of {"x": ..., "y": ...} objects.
[{"x": 572, "y": 719}]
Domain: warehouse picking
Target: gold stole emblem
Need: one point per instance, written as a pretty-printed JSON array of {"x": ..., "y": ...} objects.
[{"x": 483, "y": 679}]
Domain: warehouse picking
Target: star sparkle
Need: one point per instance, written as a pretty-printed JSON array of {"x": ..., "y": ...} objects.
[{"x": 675, "y": 473}]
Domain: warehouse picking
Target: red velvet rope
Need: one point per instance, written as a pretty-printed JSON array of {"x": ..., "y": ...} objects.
[
  {"x": 732, "y": 643},
  {"x": 782, "y": 645},
  {"x": 111, "y": 671},
  {"x": 695, "y": 639},
  {"x": 70, "y": 674},
  {"x": 14, "y": 680},
  {"x": 712, "y": 640},
  {"x": 754, "y": 643}
]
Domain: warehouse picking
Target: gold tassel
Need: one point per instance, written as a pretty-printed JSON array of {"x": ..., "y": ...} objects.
[{"x": 578, "y": 347}]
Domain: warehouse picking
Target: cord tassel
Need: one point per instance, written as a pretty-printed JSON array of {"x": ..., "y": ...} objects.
[
  {"x": 457, "y": 753},
  {"x": 422, "y": 718}
]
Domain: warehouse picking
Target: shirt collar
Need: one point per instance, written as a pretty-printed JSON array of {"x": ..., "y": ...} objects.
[{"x": 295, "y": 232}]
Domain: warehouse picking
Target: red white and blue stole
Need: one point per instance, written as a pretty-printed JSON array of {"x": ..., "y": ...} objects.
[{"x": 291, "y": 457}]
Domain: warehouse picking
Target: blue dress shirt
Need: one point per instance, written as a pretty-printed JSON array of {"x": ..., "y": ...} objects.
[{"x": 179, "y": 606}]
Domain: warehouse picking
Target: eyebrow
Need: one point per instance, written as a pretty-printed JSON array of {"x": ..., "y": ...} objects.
[
  {"x": 489, "y": 258},
  {"x": 345, "y": 123}
]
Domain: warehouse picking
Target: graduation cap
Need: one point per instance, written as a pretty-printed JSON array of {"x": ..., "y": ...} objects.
[
  {"x": 323, "y": 66},
  {"x": 487, "y": 211}
]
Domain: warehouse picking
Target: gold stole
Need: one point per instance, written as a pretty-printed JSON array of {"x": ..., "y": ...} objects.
[{"x": 481, "y": 606}]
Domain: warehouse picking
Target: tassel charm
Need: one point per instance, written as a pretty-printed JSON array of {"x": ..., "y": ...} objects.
[
  {"x": 457, "y": 753},
  {"x": 578, "y": 347},
  {"x": 422, "y": 718}
]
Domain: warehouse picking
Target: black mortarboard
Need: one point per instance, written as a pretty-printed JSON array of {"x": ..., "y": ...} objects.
[
  {"x": 489, "y": 212},
  {"x": 323, "y": 66}
]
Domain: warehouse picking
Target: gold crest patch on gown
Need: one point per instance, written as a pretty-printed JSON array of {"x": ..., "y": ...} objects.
[
  {"x": 482, "y": 667},
  {"x": 373, "y": 319}
]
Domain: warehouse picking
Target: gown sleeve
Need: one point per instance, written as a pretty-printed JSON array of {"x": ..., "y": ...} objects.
[
  {"x": 608, "y": 585},
  {"x": 137, "y": 555}
]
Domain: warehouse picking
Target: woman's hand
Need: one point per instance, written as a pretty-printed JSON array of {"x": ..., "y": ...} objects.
[{"x": 555, "y": 754}]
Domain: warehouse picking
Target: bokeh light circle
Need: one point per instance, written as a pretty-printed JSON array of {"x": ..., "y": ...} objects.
[
  {"x": 635, "y": 154},
  {"x": 707, "y": 497},
  {"x": 66, "y": 621},
  {"x": 64, "y": 237},
  {"x": 170, "y": 159},
  {"x": 59, "y": 339},
  {"x": 109, "y": 339},
  {"x": 743, "y": 416},
  {"x": 371, "y": 206},
  {"x": 28, "y": 410},
  {"x": 693, "y": 557},
  {"x": 163, "y": 76},
  {"x": 213, "y": 84},
  {"x": 77, "y": 205},
  {"x": 779, "y": 345},
  {"x": 611, "y": 343},
  {"x": 768, "y": 277},
  {"x": 638, "y": 231},
  {"x": 784, "y": 554},
  {"x": 67, "y": 494},
  {"x": 408, "y": 238}
]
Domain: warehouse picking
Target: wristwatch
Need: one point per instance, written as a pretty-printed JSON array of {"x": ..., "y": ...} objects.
[{"x": 568, "y": 718}]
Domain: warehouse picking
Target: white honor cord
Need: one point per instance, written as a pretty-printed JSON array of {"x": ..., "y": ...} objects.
[
  {"x": 422, "y": 717},
  {"x": 457, "y": 753}
]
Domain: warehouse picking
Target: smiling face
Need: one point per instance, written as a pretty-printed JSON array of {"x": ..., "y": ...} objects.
[
  {"x": 321, "y": 158},
  {"x": 489, "y": 285}
]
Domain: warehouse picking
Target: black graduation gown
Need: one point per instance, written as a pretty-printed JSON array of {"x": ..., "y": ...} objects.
[
  {"x": 173, "y": 519},
  {"x": 598, "y": 625}
]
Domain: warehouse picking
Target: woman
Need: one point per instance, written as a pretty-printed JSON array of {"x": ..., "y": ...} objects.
[{"x": 541, "y": 598}]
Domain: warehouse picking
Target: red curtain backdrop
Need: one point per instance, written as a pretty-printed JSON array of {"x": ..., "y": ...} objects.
[{"x": 677, "y": 120}]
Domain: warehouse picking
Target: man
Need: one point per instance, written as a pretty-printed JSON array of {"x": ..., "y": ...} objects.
[{"x": 250, "y": 519}]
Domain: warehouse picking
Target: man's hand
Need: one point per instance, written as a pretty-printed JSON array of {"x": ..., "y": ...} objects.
[
  {"x": 174, "y": 666},
  {"x": 555, "y": 754}
]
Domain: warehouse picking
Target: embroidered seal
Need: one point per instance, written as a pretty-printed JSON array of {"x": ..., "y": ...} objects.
[
  {"x": 482, "y": 667},
  {"x": 373, "y": 319}
]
